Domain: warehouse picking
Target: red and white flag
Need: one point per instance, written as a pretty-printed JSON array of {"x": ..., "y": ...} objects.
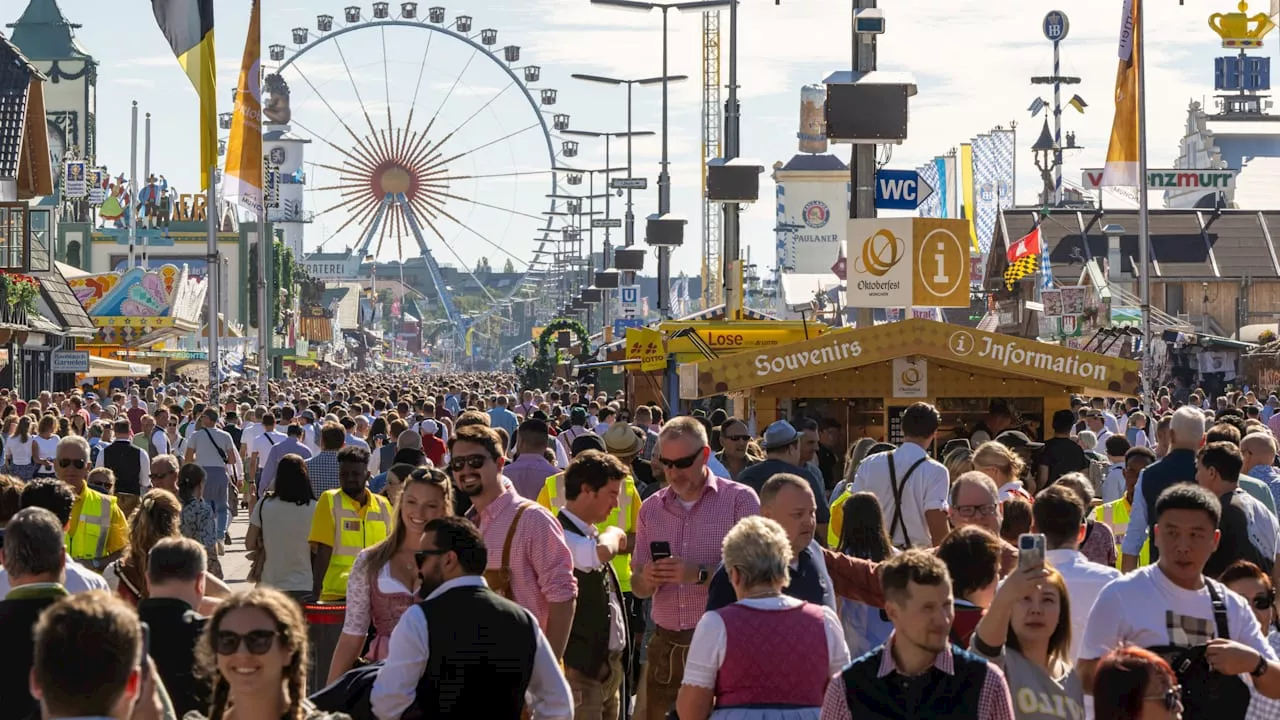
[{"x": 1029, "y": 245}]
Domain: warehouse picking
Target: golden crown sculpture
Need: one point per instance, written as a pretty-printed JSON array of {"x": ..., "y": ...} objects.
[{"x": 1238, "y": 30}]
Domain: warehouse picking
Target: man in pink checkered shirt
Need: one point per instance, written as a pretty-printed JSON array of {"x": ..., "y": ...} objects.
[
  {"x": 689, "y": 517},
  {"x": 541, "y": 567}
]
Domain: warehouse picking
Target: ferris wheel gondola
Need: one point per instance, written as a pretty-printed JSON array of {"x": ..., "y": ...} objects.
[{"x": 458, "y": 179}]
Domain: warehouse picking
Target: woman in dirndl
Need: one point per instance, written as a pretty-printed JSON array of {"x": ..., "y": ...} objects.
[{"x": 768, "y": 656}]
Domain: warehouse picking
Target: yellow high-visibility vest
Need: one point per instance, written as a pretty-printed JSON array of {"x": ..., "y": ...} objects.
[
  {"x": 552, "y": 498},
  {"x": 89, "y": 542},
  {"x": 354, "y": 529},
  {"x": 1115, "y": 515}
]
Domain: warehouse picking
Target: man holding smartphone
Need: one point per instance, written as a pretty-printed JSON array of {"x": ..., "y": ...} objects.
[{"x": 678, "y": 538}]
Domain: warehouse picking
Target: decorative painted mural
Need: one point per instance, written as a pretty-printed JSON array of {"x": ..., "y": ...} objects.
[{"x": 133, "y": 293}]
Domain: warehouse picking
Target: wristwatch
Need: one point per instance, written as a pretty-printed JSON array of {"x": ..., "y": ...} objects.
[
  {"x": 1261, "y": 669},
  {"x": 703, "y": 574}
]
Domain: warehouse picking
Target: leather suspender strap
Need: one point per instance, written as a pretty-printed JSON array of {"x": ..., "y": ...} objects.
[
  {"x": 511, "y": 536},
  {"x": 897, "y": 488},
  {"x": 1219, "y": 610}
]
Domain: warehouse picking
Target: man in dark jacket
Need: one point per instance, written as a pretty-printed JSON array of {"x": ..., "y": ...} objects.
[
  {"x": 1186, "y": 432},
  {"x": 35, "y": 557},
  {"x": 175, "y": 573}
]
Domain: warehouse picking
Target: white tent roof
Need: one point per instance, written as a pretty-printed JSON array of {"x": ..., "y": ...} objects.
[{"x": 101, "y": 367}]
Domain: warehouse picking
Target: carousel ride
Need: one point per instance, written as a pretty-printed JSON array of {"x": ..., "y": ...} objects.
[{"x": 425, "y": 129}]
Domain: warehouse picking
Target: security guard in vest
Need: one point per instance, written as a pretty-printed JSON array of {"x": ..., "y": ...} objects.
[
  {"x": 1115, "y": 514},
  {"x": 346, "y": 521},
  {"x": 594, "y": 656},
  {"x": 98, "y": 532}
]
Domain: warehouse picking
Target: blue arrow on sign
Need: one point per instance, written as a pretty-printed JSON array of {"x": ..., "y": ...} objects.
[{"x": 901, "y": 190}]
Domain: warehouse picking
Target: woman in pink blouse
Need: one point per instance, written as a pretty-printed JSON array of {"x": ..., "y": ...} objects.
[{"x": 384, "y": 578}]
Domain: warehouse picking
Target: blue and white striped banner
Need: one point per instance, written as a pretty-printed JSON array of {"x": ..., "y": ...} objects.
[
  {"x": 931, "y": 173},
  {"x": 993, "y": 173}
]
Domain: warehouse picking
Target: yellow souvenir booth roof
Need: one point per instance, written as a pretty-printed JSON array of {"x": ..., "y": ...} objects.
[{"x": 954, "y": 361}]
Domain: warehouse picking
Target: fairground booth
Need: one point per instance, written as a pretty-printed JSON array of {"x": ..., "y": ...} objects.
[
  {"x": 865, "y": 378},
  {"x": 142, "y": 317}
]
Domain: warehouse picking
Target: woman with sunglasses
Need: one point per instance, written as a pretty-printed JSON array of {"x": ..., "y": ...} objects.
[
  {"x": 384, "y": 579},
  {"x": 1132, "y": 683},
  {"x": 1255, "y": 586},
  {"x": 254, "y": 650}
]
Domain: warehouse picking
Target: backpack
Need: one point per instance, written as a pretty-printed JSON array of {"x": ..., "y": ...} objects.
[
  {"x": 1205, "y": 692},
  {"x": 1096, "y": 471}
]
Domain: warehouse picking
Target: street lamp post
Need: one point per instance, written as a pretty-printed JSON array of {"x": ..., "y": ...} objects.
[
  {"x": 630, "y": 217},
  {"x": 664, "y": 177},
  {"x": 606, "y": 257}
]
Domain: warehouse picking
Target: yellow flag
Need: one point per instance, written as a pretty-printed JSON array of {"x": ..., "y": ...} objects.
[
  {"x": 244, "y": 148},
  {"x": 188, "y": 26},
  {"x": 1123, "y": 151},
  {"x": 968, "y": 198}
]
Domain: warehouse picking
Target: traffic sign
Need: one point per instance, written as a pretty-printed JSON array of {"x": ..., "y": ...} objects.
[
  {"x": 1056, "y": 26},
  {"x": 629, "y": 300},
  {"x": 606, "y": 222},
  {"x": 629, "y": 183},
  {"x": 901, "y": 190},
  {"x": 621, "y": 324}
]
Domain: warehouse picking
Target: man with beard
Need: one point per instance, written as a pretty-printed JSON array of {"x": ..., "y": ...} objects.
[
  {"x": 918, "y": 672},
  {"x": 530, "y": 563},
  {"x": 346, "y": 521},
  {"x": 491, "y": 660}
]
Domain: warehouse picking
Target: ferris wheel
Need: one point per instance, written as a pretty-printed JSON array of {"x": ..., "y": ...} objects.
[{"x": 425, "y": 130}]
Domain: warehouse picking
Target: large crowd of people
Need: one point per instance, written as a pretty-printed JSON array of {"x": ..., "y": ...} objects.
[{"x": 456, "y": 546}]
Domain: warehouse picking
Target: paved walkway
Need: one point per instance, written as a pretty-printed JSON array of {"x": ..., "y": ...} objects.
[{"x": 235, "y": 567}]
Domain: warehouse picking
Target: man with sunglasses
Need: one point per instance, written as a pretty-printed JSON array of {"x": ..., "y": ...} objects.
[
  {"x": 687, "y": 519},
  {"x": 98, "y": 533},
  {"x": 530, "y": 562},
  {"x": 447, "y": 673}
]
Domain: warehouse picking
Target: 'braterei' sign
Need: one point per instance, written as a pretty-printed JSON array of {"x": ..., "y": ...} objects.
[{"x": 841, "y": 349}]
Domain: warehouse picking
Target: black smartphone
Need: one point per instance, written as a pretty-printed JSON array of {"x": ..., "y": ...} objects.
[{"x": 660, "y": 549}]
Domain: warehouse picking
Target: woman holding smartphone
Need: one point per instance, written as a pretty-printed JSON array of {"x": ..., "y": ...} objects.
[{"x": 1027, "y": 633}]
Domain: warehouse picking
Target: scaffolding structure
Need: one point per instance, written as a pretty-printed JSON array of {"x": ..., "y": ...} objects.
[{"x": 712, "y": 136}]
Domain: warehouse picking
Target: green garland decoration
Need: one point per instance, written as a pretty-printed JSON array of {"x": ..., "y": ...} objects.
[{"x": 538, "y": 373}]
